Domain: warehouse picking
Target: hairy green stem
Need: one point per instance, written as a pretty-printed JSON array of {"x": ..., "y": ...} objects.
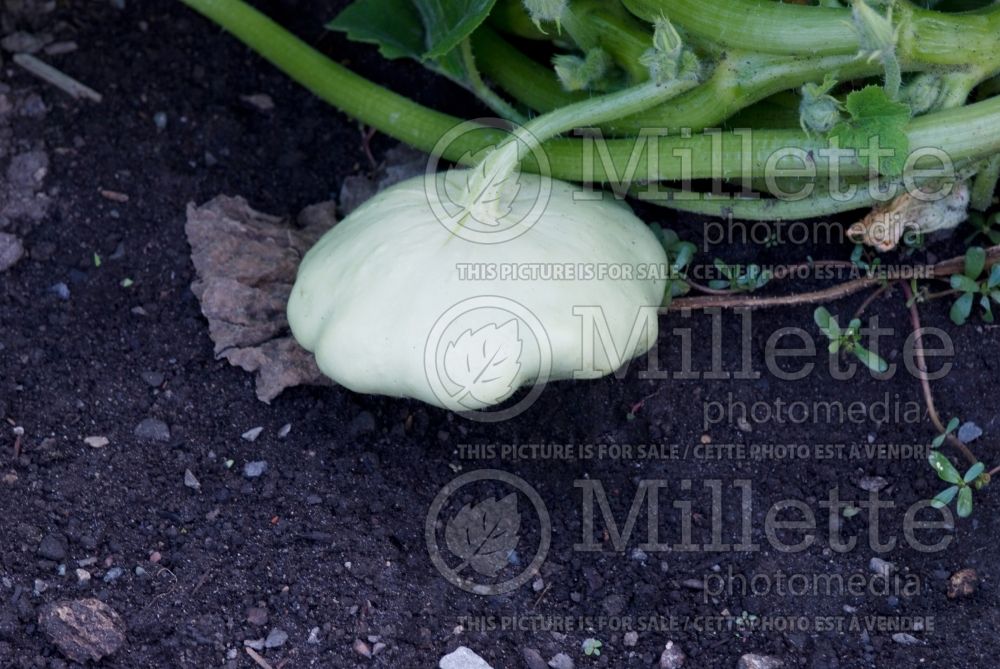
[
  {"x": 529, "y": 82},
  {"x": 929, "y": 37},
  {"x": 484, "y": 92},
  {"x": 969, "y": 132},
  {"x": 605, "y": 24}
]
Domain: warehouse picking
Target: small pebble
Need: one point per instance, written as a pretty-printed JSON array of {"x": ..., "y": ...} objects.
[
  {"x": 963, "y": 583},
  {"x": 61, "y": 290},
  {"x": 113, "y": 574},
  {"x": 160, "y": 121},
  {"x": 152, "y": 429},
  {"x": 630, "y": 639},
  {"x": 285, "y": 430},
  {"x": 96, "y": 442},
  {"x": 153, "y": 379},
  {"x": 276, "y": 638},
  {"x": 672, "y": 657},
  {"x": 532, "y": 659},
  {"x": 561, "y": 661},
  {"x": 361, "y": 648},
  {"x": 252, "y": 434},
  {"x": 82, "y": 576},
  {"x": 257, "y": 616},
  {"x": 969, "y": 432},
  {"x": 254, "y": 469},
  {"x": 190, "y": 480}
]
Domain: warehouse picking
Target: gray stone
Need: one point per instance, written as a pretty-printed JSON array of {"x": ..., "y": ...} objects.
[
  {"x": 463, "y": 658},
  {"x": 152, "y": 429},
  {"x": 276, "y": 638},
  {"x": 968, "y": 433},
  {"x": 254, "y": 469},
  {"x": 672, "y": 657},
  {"x": 52, "y": 547},
  {"x": 755, "y": 661},
  {"x": 11, "y": 250},
  {"x": 561, "y": 661},
  {"x": 154, "y": 379},
  {"x": 533, "y": 659},
  {"x": 83, "y": 629}
]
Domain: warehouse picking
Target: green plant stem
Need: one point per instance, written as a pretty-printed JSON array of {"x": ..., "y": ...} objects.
[
  {"x": 484, "y": 92},
  {"x": 511, "y": 17},
  {"x": 761, "y": 209},
  {"x": 529, "y": 82},
  {"x": 969, "y": 132},
  {"x": 737, "y": 81},
  {"x": 606, "y": 25},
  {"x": 985, "y": 185},
  {"x": 500, "y": 163},
  {"x": 929, "y": 37},
  {"x": 919, "y": 359}
]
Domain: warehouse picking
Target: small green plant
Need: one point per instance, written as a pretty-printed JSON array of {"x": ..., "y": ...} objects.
[
  {"x": 951, "y": 427},
  {"x": 962, "y": 485},
  {"x": 745, "y": 623},
  {"x": 987, "y": 226},
  {"x": 971, "y": 286},
  {"x": 847, "y": 340},
  {"x": 592, "y": 647},
  {"x": 679, "y": 256},
  {"x": 864, "y": 260},
  {"x": 738, "y": 281}
]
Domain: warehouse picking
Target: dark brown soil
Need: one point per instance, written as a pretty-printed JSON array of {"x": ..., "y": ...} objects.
[{"x": 331, "y": 536}]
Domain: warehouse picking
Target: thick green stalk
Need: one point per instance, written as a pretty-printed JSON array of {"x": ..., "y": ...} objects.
[
  {"x": 504, "y": 160},
  {"x": 484, "y": 92},
  {"x": 969, "y": 132},
  {"x": 763, "y": 209},
  {"x": 531, "y": 83},
  {"x": 606, "y": 25},
  {"x": 928, "y": 37}
]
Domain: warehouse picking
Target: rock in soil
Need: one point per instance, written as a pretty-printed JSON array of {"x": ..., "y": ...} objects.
[
  {"x": 561, "y": 661},
  {"x": 672, "y": 656},
  {"x": 11, "y": 250},
  {"x": 52, "y": 548},
  {"x": 754, "y": 661},
  {"x": 463, "y": 658},
  {"x": 533, "y": 659},
  {"x": 83, "y": 629},
  {"x": 151, "y": 429},
  {"x": 963, "y": 583}
]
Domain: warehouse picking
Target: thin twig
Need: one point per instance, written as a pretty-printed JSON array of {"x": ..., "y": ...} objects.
[
  {"x": 918, "y": 350},
  {"x": 255, "y": 656},
  {"x": 49, "y": 74},
  {"x": 871, "y": 298},
  {"x": 942, "y": 269},
  {"x": 759, "y": 302}
]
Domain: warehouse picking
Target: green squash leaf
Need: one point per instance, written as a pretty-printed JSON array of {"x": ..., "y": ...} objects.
[
  {"x": 427, "y": 31},
  {"x": 874, "y": 114}
]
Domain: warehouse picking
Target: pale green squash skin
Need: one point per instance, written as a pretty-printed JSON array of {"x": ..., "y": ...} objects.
[{"x": 369, "y": 293}]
